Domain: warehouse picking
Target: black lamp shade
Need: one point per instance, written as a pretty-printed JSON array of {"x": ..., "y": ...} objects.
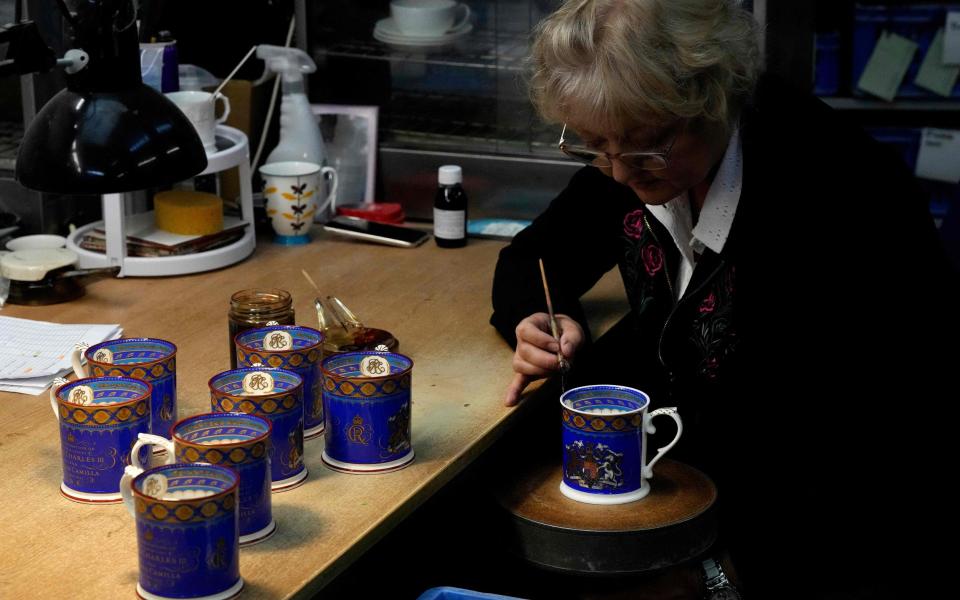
[{"x": 108, "y": 142}]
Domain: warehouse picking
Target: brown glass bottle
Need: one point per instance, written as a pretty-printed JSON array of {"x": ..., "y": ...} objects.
[
  {"x": 255, "y": 308},
  {"x": 450, "y": 209}
]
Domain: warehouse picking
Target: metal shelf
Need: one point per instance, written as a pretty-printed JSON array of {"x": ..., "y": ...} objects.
[{"x": 479, "y": 50}]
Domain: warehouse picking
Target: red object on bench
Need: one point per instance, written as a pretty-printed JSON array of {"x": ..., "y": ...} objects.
[{"x": 381, "y": 212}]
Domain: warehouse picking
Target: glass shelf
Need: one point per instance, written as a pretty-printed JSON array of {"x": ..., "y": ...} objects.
[
  {"x": 479, "y": 50},
  {"x": 422, "y": 120}
]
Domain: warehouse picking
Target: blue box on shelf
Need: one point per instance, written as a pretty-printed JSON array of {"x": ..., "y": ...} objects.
[
  {"x": 452, "y": 593},
  {"x": 918, "y": 23},
  {"x": 827, "y": 65},
  {"x": 905, "y": 139}
]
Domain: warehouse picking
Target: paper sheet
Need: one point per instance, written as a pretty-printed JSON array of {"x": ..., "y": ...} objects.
[
  {"x": 933, "y": 74},
  {"x": 32, "y": 353},
  {"x": 951, "y": 41},
  {"x": 887, "y": 65}
]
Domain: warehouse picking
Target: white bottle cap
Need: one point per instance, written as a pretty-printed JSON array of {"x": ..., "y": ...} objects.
[{"x": 450, "y": 175}]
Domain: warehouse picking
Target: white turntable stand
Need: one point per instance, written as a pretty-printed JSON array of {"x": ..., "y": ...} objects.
[{"x": 235, "y": 154}]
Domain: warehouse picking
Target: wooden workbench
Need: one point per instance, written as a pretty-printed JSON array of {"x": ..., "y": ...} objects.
[{"x": 435, "y": 301}]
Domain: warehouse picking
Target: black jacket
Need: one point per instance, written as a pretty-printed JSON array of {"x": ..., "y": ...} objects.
[{"x": 809, "y": 360}]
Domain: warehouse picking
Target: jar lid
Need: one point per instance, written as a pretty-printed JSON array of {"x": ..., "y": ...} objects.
[
  {"x": 35, "y": 264},
  {"x": 260, "y": 301},
  {"x": 450, "y": 174}
]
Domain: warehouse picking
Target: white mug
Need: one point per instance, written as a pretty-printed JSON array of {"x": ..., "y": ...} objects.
[
  {"x": 426, "y": 18},
  {"x": 291, "y": 190},
  {"x": 200, "y": 108}
]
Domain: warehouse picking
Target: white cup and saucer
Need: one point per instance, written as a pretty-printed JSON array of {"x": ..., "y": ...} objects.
[
  {"x": 424, "y": 23},
  {"x": 200, "y": 108}
]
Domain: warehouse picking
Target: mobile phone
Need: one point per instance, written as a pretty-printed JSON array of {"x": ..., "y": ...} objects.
[{"x": 371, "y": 231}]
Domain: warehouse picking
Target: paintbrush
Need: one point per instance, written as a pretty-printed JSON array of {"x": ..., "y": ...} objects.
[{"x": 562, "y": 363}]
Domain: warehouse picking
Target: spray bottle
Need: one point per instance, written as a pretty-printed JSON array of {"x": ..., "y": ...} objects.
[{"x": 300, "y": 138}]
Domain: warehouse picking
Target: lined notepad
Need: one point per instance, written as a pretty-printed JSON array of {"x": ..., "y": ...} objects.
[{"x": 32, "y": 353}]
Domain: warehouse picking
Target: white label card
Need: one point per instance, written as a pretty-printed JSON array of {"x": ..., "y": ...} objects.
[
  {"x": 951, "y": 39},
  {"x": 939, "y": 157},
  {"x": 277, "y": 340},
  {"x": 374, "y": 366},
  {"x": 81, "y": 394},
  {"x": 155, "y": 485},
  {"x": 258, "y": 383},
  {"x": 103, "y": 356}
]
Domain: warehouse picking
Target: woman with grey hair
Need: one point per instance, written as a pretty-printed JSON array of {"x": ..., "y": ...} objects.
[{"x": 788, "y": 291}]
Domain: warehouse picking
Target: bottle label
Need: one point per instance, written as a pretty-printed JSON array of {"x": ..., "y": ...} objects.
[{"x": 449, "y": 224}]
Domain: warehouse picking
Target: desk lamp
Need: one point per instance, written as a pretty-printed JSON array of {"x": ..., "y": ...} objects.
[{"x": 107, "y": 132}]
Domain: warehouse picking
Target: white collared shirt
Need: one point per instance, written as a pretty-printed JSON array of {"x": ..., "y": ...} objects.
[{"x": 716, "y": 216}]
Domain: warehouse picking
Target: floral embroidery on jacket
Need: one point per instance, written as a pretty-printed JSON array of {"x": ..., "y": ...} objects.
[
  {"x": 633, "y": 224},
  {"x": 643, "y": 259},
  {"x": 652, "y": 259},
  {"x": 713, "y": 333}
]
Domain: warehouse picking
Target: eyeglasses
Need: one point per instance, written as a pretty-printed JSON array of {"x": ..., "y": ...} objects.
[{"x": 635, "y": 161}]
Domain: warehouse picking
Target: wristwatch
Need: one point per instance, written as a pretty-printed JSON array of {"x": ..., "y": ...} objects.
[{"x": 718, "y": 586}]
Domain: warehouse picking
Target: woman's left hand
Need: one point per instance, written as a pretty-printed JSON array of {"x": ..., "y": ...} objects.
[{"x": 536, "y": 354}]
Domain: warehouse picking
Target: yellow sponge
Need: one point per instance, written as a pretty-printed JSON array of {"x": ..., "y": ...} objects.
[{"x": 188, "y": 213}]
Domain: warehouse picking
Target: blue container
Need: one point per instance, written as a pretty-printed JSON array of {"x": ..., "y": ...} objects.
[
  {"x": 241, "y": 442},
  {"x": 918, "y": 23},
  {"x": 97, "y": 434},
  {"x": 187, "y": 547},
  {"x": 827, "y": 65},
  {"x": 303, "y": 359},
  {"x": 149, "y": 359},
  {"x": 283, "y": 408},
  {"x": 453, "y": 593},
  {"x": 368, "y": 418}
]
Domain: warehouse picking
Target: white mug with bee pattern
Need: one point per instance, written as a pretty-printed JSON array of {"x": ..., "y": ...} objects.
[{"x": 292, "y": 191}]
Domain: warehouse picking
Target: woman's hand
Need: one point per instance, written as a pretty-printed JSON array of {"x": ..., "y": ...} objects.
[{"x": 536, "y": 355}]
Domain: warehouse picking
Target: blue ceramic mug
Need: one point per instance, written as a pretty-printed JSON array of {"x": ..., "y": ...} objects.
[
  {"x": 368, "y": 402},
  {"x": 149, "y": 359},
  {"x": 187, "y": 530},
  {"x": 291, "y": 348},
  {"x": 604, "y": 443},
  {"x": 100, "y": 418},
  {"x": 236, "y": 440},
  {"x": 281, "y": 404}
]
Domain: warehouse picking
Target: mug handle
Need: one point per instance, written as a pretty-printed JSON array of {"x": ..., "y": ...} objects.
[
  {"x": 54, "y": 388},
  {"x": 130, "y": 473},
  {"x": 466, "y": 17},
  {"x": 226, "y": 106},
  {"x": 76, "y": 359},
  {"x": 648, "y": 427},
  {"x": 332, "y": 196},
  {"x": 148, "y": 439}
]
